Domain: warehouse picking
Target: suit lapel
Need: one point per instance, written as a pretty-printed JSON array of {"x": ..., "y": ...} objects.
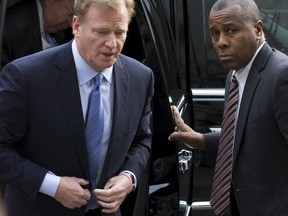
[
  {"x": 252, "y": 82},
  {"x": 121, "y": 88},
  {"x": 67, "y": 84}
]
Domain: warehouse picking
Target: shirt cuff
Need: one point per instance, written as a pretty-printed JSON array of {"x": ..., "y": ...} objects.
[
  {"x": 134, "y": 180},
  {"x": 50, "y": 184}
]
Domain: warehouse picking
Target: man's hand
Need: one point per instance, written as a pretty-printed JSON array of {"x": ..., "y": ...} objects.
[
  {"x": 113, "y": 194},
  {"x": 70, "y": 192},
  {"x": 184, "y": 133}
]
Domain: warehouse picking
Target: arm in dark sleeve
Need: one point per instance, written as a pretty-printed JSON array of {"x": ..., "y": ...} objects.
[
  {"x": 211, "y": 143},
  {"x": 16, "y": 168}
]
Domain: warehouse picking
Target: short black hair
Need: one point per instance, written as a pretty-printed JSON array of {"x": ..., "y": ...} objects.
[{"x": 249, "y": 8}]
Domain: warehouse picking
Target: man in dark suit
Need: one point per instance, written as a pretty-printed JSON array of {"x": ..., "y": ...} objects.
[
  {"x": 44, "y": 103},
  {"x": 258, "y": 185},
  {"x": 30, "y": 26}
]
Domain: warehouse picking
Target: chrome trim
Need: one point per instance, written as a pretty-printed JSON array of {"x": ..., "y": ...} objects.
[
  {"x": 153, "y": 188},
  {"x": 185, "y": 160},
  {"x": 196, "y": 206},
  {"x": 215, "y": 129},
  {"x": 184, "y": 208},
  {"x": 208, "y": 92},
  {"x": 205, "y": 205}
]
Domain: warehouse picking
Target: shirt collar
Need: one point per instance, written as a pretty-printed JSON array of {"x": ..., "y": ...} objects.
[
  {"x": 41, "y": 18},
  {"x": 84, "y": 72},
  {"x": 242, "y": 73}
]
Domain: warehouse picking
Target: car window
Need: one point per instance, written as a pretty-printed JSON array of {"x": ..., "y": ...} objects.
[{"x": 275, "y": 18}]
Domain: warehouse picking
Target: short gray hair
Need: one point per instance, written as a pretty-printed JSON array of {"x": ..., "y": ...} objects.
[{"x": 81, "y": 6}]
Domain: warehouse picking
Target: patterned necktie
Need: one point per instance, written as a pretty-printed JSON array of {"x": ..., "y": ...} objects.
[
  {"x": 94, "y": 133},
  {"x": 220, "y": 196}
]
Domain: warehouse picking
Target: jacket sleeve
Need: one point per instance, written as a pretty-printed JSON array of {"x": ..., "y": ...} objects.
[
  {"x": 211, "y": 142},
  {"x": 16, "y": 171}
]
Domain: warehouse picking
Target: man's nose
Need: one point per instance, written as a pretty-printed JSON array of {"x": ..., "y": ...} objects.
[
  {"x": 223, "y": 41},
  {"x": 111, "y": 41}
]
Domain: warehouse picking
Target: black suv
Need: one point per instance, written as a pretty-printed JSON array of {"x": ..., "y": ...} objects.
[{"x": 172, "y": 37}]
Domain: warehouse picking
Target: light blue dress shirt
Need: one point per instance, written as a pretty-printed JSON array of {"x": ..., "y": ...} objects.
[{"x": 85, "y": 74}]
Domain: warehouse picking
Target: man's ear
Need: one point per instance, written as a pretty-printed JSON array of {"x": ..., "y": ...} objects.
[
  {"x": 75, "y": 26},
  {"x": 259, "y": 29}
]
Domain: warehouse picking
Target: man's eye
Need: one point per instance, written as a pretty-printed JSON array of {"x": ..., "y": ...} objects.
[
  {"x": 231, "y": 31},
  {"x": 120, "y": 34},
  {"x": 103, "y": 32},
  {"x": 214, "y": 34}
]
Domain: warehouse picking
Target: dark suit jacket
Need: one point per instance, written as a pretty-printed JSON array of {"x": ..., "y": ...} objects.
[
  {"x": 42, "y": 127},
  {"x": 22, "y": 34},
  {"x": 260, "y": 162}
]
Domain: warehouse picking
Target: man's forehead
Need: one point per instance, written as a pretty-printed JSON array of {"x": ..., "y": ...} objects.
[
  {"x": 230, "y": 11},
  {"x": 226, "y": 16}
]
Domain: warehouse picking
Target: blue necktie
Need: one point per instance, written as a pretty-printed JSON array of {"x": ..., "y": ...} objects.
[{"x": 94, "y": 133}]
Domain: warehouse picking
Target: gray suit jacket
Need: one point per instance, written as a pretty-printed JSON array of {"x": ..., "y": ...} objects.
[
  {"x": 260, "y": 161},
  {"x": 42, "y": 127}
]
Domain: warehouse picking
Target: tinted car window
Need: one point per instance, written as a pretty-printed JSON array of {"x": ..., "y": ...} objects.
[{"x": 274, "y": 14}]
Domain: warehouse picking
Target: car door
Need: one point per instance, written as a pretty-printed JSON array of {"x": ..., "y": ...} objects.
[
  {"x": 168, "y": 49},
  {"x": 177, "y": 46},
  {"x": 3, "y": 6},
  {"x": 164, "y": 39},
  {"x": 159, "y": 194}
]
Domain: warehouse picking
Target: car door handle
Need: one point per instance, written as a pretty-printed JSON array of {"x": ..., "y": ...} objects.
[
  {"x": 215, "y": 129},
  {"x": 185, "y": 160}
]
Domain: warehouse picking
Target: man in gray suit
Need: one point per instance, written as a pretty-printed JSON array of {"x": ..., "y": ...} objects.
[
  {"x": 44, "y": 99},
  {"x": 258, "y": 185}
]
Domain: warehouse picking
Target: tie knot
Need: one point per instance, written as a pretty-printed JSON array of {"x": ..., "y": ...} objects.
[
  {"x": 234, "y": 83},
  {"x": 234, "y": 79},
  {"x": 98, "y": 79}
]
